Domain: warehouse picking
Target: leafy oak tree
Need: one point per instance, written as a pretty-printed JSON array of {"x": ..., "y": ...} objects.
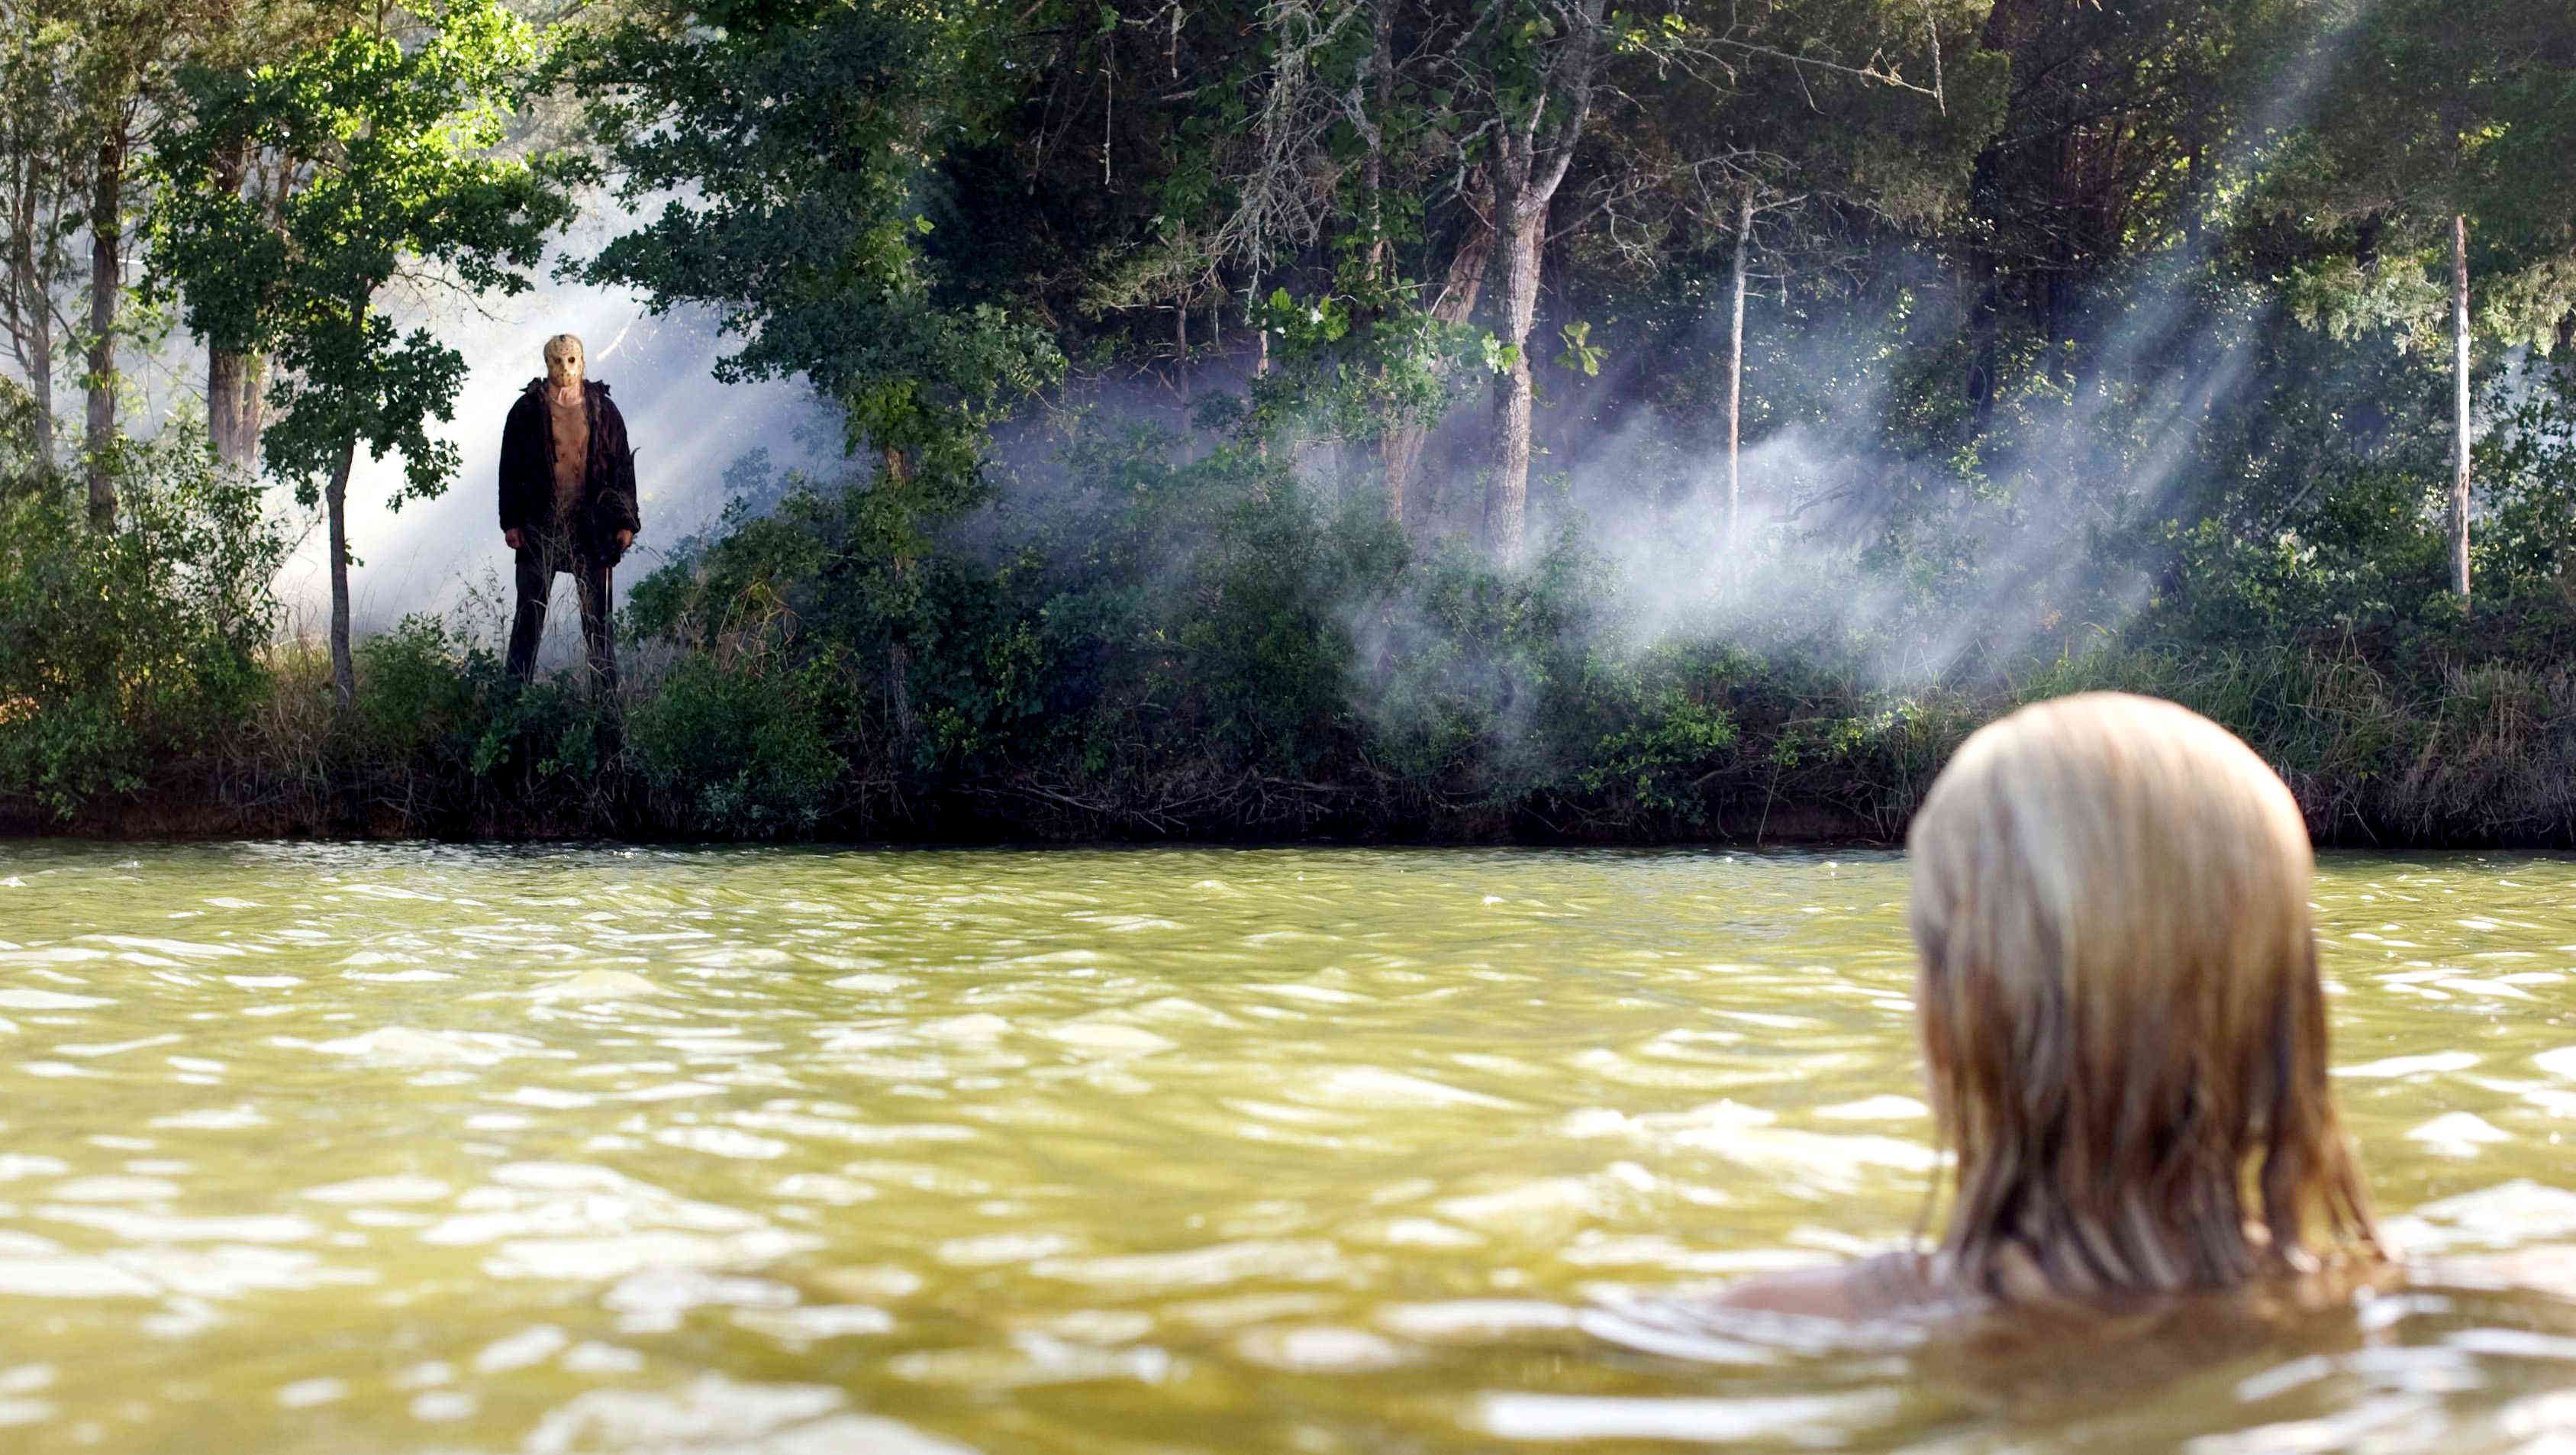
[
  {"x": 800, "y": 137},
  {"x": 393, "y": 149}
]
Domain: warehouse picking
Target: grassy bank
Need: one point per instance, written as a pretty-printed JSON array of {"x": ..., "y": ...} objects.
[{"x": 2387, "y": 741}]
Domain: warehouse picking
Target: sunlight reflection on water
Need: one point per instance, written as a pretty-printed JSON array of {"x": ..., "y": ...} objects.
[{"x": 408, "y": 1147}]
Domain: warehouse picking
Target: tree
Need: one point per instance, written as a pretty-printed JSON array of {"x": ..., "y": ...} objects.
[
  {"x": 82, "y": 92},
  {"x": 119, "y": 67},
  {"x": 40, "y": 204},
  {"x": 237, "y": 382},
  {"x": 800, "y": 138},
  {"x": 1530, "y": 67},
  {"x": 1793, "y": 107},
  {"x": 2116, "y": 118},
  {"x": 2446, "y": 125},
  {"x": 1342, "y": 93},
  {"x": 392, "y": 149},
  {"x": 1750, "y": 108},
  {"x": 802, "y": 132}
]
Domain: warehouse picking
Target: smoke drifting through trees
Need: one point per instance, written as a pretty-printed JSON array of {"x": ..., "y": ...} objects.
[
  {"x": 428, "y": 558},
  {"x": 2072, "y": 339}
]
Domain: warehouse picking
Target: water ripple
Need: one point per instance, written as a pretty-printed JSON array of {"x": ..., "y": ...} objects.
[{"x": 421, "y": 1147}]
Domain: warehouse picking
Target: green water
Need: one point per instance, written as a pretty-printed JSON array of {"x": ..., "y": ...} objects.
[{"x": 342, "y": 1149}]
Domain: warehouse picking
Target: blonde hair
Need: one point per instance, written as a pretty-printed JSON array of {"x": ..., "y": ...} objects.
[
  {"x": 564, "y": 342},
  {"x": 2123, "y": 1027}
]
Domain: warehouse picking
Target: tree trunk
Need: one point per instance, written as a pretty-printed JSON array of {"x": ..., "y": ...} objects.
[
  {"x": 898, "y": 689},
  {"x": 2460, "y": 373},
  {"x": 1536, "y": 144},
  {"x": 1507, "y": 501},
  {"x": 1382, "y": 67},
  {"x": 899, "y": 651},
  {"x": 32, "y": 315},
  {"x": 106, "y": 281},
  {"x": 335, "y": 503},
  {"x": 40, "y": 383},
  {"x": 1457, "y": 301},
  {"x": 235, "y": 408},
  {"x": 2195, "y": 194},
  {"x": 234, "y": 381},
  {"x": 41, "y": 182},
  {"x": 1985, "y": 337},
  {"x": 1735, "y": 376},
  {"x": 40, "y": 378}
]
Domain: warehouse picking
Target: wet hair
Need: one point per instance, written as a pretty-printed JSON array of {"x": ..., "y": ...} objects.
[
  {"x": 2123, "y": 1027},
  {"x": 563, "y": 341}
]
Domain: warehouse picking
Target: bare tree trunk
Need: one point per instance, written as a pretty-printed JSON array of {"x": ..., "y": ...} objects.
[
  {"x": 1735, "y": 376},
  {"x": 2196, "y": 195},
  {"x": 236, "y": 410},
  {"x": 1457, "y": 301},
  {"x": 898, "y": 689},
  {"x": 2460, "y": 372},
  {"x": 234, "y": 381},
  {"x": 223, "y": 393},
  {"x": 1382, "y": 67},
  {"x": 40, "y": 383},
  {"x": 1507, "y": 500},
  {"x": 31, "y": 314},
  {"x": 106, "y": 281},
  {"x": 37, "y": 354},
  {"x": 1535, "y": 144},
  {"x": 899, "y": 650},
  {"x": 39, "y": 194},
  {"x": 335, "y": 503}
]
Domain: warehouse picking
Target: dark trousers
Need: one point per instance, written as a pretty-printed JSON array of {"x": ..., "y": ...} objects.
[{"x": 539, "y": 559}]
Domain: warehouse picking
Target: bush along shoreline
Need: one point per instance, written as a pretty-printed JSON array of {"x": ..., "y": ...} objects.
[{"x": 1214, "y": 651}]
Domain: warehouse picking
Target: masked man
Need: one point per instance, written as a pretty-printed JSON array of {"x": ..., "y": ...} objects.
[{"x": 567, "y": 504}]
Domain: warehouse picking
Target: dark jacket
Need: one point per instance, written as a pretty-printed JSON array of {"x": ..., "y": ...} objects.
[{"x": 607, "y": 503}]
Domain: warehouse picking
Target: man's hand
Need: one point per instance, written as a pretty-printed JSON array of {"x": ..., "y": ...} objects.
[
  {"x": 625, "y": 538},
  {"x": 513, "y": 537}
]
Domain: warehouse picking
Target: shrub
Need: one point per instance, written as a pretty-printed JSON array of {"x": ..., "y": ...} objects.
[
  {"x": 134, "y": 647},
  {"x": 739, "y": 750},
  {"x": 416, "y": 692}
]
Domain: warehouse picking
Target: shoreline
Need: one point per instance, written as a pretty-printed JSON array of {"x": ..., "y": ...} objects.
[
  {"x": 214, "y": 823},
  {"x": 2450, "y": 735},
  {"x": 1800, "y": 828}
]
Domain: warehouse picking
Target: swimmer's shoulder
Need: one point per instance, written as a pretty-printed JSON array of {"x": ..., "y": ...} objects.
[
  {"x": 1893, "y": 1285},
  {"x": 2546, "y": 1268}
]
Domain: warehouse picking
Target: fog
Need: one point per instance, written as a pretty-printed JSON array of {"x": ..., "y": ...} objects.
[
  {"x": 1645, "y": 491},
  {"x": 445, "y": 557}
]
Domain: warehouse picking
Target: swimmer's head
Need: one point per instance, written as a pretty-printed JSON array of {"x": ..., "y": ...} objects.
[{"x": 2123, "y": 1030}]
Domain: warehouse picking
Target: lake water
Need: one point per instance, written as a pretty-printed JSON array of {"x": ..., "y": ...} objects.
[{"x": 418, "y": 1148}]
